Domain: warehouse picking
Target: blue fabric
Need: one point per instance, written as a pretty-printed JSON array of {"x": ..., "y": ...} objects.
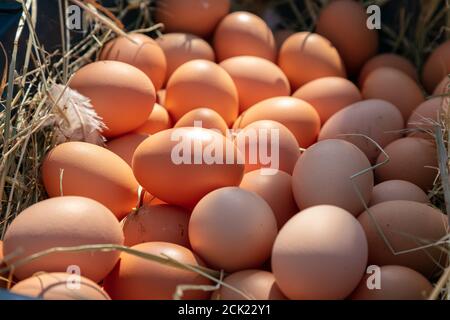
[{"x": 5, "y": 295}]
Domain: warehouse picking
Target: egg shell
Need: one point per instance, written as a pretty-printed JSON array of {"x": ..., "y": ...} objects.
[
  {"x": 376, "y": 119},
  {"x": 395, "y": 87},
  {"x": 390, "y": 60},
  {"x": 312, "y": 251},
  {"x": 281, "y": 36},
  {"x": 256, "y": 79},
  {"x": 151, "y": 200},
  {"x": 205, "y": 118},
  {"x": 141, "y": 52},
  {"x": 276, "y": 190},
  {"x": 329, "y": 95},
  {"x": 344, "y": 23},
  {"x": 135, "y": 278},
  {"x": 87, "y": 170},
  {"x": 232, "y": 229},
  {"x": 199, "y": 17},
  {"x": 297, "y": 115},
  {"x": 161, "y": 97},
  {"x": 55, "y": 286},
  {"x": 311, "y": 53},
  {"x": 62, "y": 222},
  {"x": 437, "y": 66},
  {"x": 125, "y": 146},
  {"x": 405, "y": 224},
  {"x": 411, "y": 159},
  {"x": 185, "y": 183},
  {"x": 202, "y": 84},
  {"x": 322, "y": 176},
  {"x": 162, "y": 223},
  {"x": 1, "y": 250},
  {"x": 180, "y": 48},
  {"x": 421, "y": 122},
  {"x": 443, "y": 86},
  {"x": 158, "y": 120},
  {"x": 122, "y": 95},
  {"x": 268, "y": 144},
  {"x": 254, "y": 284},
  {"x": 391, "y": 190},
  {"x": 244, "y": 34},
  {"x": 396, "y": 283}
]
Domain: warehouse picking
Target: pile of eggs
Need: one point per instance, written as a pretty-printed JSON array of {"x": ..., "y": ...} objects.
[{"x": 310, "y": 230}]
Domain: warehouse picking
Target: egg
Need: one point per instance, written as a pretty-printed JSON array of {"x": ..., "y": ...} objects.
[
  {"x": 204, "y": 118},
  {"x": 329, "y": 95},
  {"x": 162, "y": 222},
  {"x": 137, "y": 278},
  {"x": 254, "y": 284},
  {"x": 165, "y": 165},
  {"x": 269, "y": 145},
  {"x": 125, "y": 146},
  {"x": 1, "y": 250},
  {"x": 158, "y": 120},
  {"x": 276, "y": 190},
  {"x": 281, "y": 35},
  {"x": 411, "y": 159},
  {"x": 311, "y": 53},
  {"x": 344, "y": 23},
  {"x": 297, "y": 115},
  {"x": 87, "y": 170},
  {"x": 322, "y": 176},
  {"x": 59, "y": 286},
  {"x": 180, "y": 48},
  {"x": 389, "y": 60},
  {"x": 395, "y": 87},
  {"x": 422, "y": 121},
  {"x": 140, "y": 51},
  {"x": 244, "y": 34},
  {"x": 151, "y": 200},
  {"x": 256, "y": 79},
  {"x": 202, "y": 84},
  {"x": 391, "y": 190},
  {"x": 437, "y": 66},
  {"x": 396, "y": 283},
  {"x": 443, "y": 87},
  {"x": 376, "y": 119},
  {"x": 314, "y": 258},
  {"x": 232, "y": 229},
  {"x": 122, "y": 95},
  {"x": 161, "y": 97},
  {"x": 63, "y": 222},
  {"x": 406, "y": 225}
]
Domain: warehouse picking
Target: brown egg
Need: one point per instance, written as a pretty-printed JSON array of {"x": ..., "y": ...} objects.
[
  {"x": 122, "y": 95},
  {"x": 269, "y": 145},
  {"x": 329, "y": 95},
  {"x": 202, "y": 84},
  {"x": 281, "y": 36},
  {"x": 163, "y": 223},
  {"x": 141, "y": 52},
  {"x": 158, "y": 120},
  {"x": 151, "y": 200},
  {"x": 422, "y": 121},
  {"x": 63, "y": 222},
  {"x": 411, "y": 159},
  {"x": 60, "y": 286},
  {"x": 199, "y": 17},
  {"x": 297, "y": 115},
  {"x": 376, "y": 119},
  {"x": 443, "y": 87},
  {"x": 161, "y": 97},
  {"x": 406, "y": 225},
  {"x": 87, "y": 170},
  {"x": 254, "y": 284},
  {"x": 322, "y": 176},
  {"x": 311, "y": 53},
  {"x": 136, "y": 278},
  {"x": 344, "y": 23},
  {"x": 390, "y": 60},
  {"x": 437, "y": 66},
  {"x": 396, "y": 283},
  {"x": 256, "y": 79},
  {"x": 1, "y": 251},
  {"x": 166, "y": 167},
  {"x": 204, "y": 118},
  {"x": 180, "y": 48},
  {"x": 244, "y": 34},
  {"x": 276, "y": 190},
  {"x": 313, "y": 251},
  {"x": 232, "y": 229},
  {"x": 391, "y": 190},
  {"x": 125, "y": 146},
  {"x": 395, "y": 87}
]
